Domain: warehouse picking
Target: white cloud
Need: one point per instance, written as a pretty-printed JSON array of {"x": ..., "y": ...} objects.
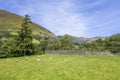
[
  {"x": 86, "y": 18},
  {"x": 57, "y": 17},
  {"x": 63, "y": 20}
]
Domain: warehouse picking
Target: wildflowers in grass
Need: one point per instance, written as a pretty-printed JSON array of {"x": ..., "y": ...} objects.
[
  {"x": 37, "y": 59},
  {"x": 7, "y": 59},
  {"x": 16, "y": 60},
  {"x": 50, "y": 58},
  {"x": 26, "y": 57}
]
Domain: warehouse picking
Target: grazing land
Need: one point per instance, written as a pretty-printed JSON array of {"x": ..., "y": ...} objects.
[{"x": 61, "y": 67}]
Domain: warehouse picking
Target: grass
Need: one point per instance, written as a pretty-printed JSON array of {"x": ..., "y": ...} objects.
[{"x": 61, "y": 67}]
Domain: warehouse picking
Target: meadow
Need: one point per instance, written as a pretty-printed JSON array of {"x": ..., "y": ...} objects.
[{"x": 61, "y": 67}]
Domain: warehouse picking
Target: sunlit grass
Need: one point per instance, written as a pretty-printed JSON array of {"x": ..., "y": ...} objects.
[{"x": 60, "y": 67}]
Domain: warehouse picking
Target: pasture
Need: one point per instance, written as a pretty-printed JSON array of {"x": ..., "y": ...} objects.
[{"x": 61, "y": 67}]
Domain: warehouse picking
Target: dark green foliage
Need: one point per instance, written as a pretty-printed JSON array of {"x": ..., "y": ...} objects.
[
  {"x": 7, "y": 47},
  {"x": 42, "y": 46},
  {"x": 111, "y": 44},
  {"x": 97, "y": 45},
  {"x": 20, "y": 45},
  {"x": 3, "y": 52},
  {"x": 14, "y": 43},
  {"x": 114, "y": 43},
  {"x": 5, "y": 34},
  {"x": 66, "y": 42},
  {"x": 53, "y": 44},
  {"x": 24, "y": 41},
  {"x": 47, "y": 43}
]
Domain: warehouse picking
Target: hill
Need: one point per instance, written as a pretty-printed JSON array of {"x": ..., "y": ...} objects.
[
  {"x": 82, "y": 40},
  {"x": 10, "y": 22}
]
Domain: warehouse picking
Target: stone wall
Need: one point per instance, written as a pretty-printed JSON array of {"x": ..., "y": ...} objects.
[{"x": 74, "y": 52}]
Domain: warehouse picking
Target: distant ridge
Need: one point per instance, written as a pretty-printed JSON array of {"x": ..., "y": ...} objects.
[{"x": 83, "y": 40}]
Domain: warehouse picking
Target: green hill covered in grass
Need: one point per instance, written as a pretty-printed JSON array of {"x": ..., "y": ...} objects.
[
  {"x": 10, "y": 22},
  {"x": 11, "y": 26}
]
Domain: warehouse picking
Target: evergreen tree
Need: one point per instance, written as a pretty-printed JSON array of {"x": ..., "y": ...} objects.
[{"x": 24, "y": 42}]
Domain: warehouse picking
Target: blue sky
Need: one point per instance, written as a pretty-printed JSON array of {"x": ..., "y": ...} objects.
[{"x": 82, "y": 18}]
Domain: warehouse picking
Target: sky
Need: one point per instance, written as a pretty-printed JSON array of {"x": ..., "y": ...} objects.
[{"x": 81, "y": 18}]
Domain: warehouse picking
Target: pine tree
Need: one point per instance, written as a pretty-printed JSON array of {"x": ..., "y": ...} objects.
[{"x": 24, "y": 42}]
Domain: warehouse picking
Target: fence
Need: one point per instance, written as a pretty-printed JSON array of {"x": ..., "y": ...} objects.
[{"x": 74, "y": 52}]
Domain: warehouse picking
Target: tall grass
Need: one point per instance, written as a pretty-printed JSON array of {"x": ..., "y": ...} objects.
[{"x": 60, "y": 67}]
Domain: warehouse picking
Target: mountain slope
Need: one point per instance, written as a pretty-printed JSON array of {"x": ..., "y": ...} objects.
[
  {"x": 82, "y": 40},
  {"x": 11, "y": 22}
]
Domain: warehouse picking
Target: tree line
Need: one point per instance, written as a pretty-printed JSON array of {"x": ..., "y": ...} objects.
[
  {"x": 22, "y": 45},
  {"x": 18, "y": 45},
  {"x": 109, "y": 44}
]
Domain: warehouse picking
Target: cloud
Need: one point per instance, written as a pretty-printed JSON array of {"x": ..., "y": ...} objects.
[
  {"x": 57, "y": 16},
  {"x": 63, "y": 19},
  {"x": 87, "y": 18}
]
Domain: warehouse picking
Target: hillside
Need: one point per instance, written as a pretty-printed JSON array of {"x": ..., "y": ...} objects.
[
  {"x": 83, "y": 40},
  {"x": 11, "y": 22}
]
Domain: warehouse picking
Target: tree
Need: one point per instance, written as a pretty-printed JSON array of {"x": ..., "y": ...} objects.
[
  {"x": 24, "y": 40},
  {"x": 66, "y": 42},
  {"x": 53, "y": 44},
  {"x": 41, "y": 47},
  {"x": 114, "y": 43}
]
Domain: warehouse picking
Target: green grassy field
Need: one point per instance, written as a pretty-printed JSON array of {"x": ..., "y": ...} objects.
[{"x": 61, "y": 67}]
